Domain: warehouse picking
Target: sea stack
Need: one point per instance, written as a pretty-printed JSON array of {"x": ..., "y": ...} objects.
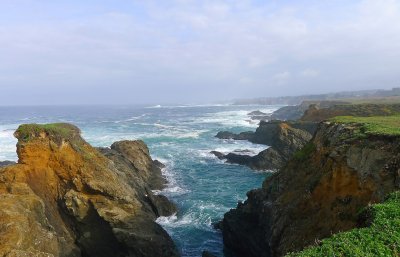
[{"x": 65, "y": 198}]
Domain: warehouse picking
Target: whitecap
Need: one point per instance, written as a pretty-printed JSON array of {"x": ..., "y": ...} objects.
[
  {"x": 130, "y": 119},
  {"x": 172, "y": 187},
  {"x": 155, "y": 106},
  {"x": 237, "y": 118}
]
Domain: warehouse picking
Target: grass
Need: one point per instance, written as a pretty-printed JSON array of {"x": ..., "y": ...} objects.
[
  {"x": 381, "y": 238},
  {"x": 375, "y": 100},
  {"x": 305, "y": 152},
  {"x": 57, "y": 131},
  {"x": 375, "y": 125}
]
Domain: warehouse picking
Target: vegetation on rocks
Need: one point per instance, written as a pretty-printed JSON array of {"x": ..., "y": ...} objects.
[
  {"x": 65, "y": 198},
  {"x": 305, "y": 152},
  {"x": 376, "y": 125},
  {"x": 55, "y": 131},
  {"x": 381, "y": 238},
  {"x": 319, "y": 193},
  {"x": 316, "y": 114}
]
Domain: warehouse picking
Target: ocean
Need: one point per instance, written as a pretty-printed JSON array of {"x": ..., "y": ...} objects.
[{"x": 202, "y": 186}]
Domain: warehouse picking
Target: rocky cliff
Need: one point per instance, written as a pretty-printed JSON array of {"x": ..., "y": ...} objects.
[
  {"x": 65, "y": 198},
  {"x": 295, "y": 112},
  {"x": 284, "y": 139},
  {"x": 319, "y": 192}
]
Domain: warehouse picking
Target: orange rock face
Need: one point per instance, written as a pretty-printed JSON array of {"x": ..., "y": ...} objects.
[
  {"x": 64, "y": 198},
  {"x": 316, "y": 194}
]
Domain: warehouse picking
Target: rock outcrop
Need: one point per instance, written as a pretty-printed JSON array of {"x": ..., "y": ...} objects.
[
  {"x": 248, "y": 135},
  {"x": 267, "y": 131},
  {"x": 259, "y": 115},
  {"x": 319, "y": 192},
  {"x": 65, "y": 198},
  {"x": 295, "y": 112},
  {"x": 282, "y": 137}
]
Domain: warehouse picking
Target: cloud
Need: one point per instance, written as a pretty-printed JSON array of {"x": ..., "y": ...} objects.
[
  {"x": 282, "y": 77},
  {"x": 127, "y": 51},
  {"x": 309, "y": 73}
]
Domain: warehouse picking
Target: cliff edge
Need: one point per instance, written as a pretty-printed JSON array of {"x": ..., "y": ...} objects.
[
  {"x": 350, "y": 163},
  {"x": 65, "y": 198}
]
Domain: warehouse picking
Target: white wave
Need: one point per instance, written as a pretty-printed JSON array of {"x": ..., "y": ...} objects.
[
  {"x": 240, "y": 147},
  {"x": 155, "y": 106},
  {"x": 164, "y": 126},
  {"x": 188, "y": 219},
  {"x": 238, "y": 118},
  {"x": 7, "y": 143},
  {"x": 130, "y": 119},
  {"x": 7, "y": 133},
  {"x": 199, "y": 216},
  {"x": 174, "y": 133},
  {"x": 99, "y": 139},
  {"x": 165, "y": 220},
  {"x": 169, "y": 131},
  {"x": 189, "y": 106},
  {"x": 173, "y": 187},
  {"x": 229, "y": 119}
]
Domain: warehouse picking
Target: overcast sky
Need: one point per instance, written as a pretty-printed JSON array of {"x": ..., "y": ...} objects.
[{"x": 182, "y": 51}]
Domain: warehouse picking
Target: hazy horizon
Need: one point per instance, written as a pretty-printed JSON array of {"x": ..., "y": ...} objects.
[{"x": 178, "y": 52}]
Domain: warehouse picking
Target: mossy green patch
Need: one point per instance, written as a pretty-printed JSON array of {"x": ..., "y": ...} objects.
[
  {"x": 381, "y": 238},
  {"x": 305, "y": 152},
  {"x": 56, "y": 131},
  {"x": 375, "y": 125}
]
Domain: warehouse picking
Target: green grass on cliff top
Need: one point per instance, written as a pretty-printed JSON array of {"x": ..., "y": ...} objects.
[
  {"x": 55, "y": 130},
  {"x": 382, "y": 238},
  {"x": 376, "y": 125}
]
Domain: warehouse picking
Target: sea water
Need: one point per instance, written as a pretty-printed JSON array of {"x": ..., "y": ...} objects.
[{"x": 202, "y": 186}]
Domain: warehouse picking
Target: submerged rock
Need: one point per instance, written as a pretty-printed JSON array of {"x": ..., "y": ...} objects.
[
  {"x": 65, "y": 198},
  {"x": 320, "y": 191}
]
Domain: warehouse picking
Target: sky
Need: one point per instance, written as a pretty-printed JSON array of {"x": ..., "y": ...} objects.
[{"x": 193, "y": 51}]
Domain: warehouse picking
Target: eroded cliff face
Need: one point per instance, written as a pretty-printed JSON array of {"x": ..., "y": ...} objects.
[
  {"x": 284, "y": 139},
  {"x": 319, "y": 192},
  {"x": 64, "y": 198}
]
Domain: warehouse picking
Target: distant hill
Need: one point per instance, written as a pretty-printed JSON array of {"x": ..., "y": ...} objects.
[{"x": 296, "y": 100}]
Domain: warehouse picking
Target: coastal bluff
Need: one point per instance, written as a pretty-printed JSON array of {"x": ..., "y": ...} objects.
[
  {"x": 349, "y": 164},
  {"x": 67, "y": 198}
]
